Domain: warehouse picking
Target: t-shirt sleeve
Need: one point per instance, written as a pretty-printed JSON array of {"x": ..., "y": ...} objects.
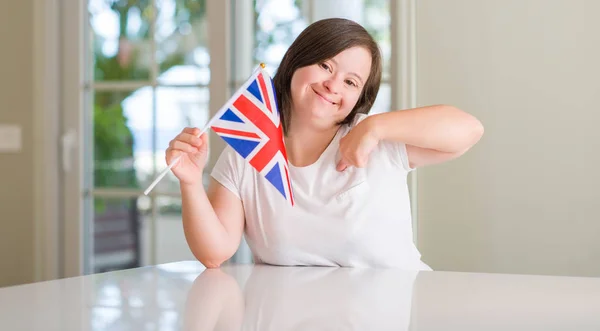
[
  {"x": 398, "y": 154},
  {"x": 228, "y": 170},
  {"x": 396, "y": 151}
]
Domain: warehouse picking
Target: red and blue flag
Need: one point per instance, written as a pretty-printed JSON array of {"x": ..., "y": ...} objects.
[{"x": 251, "y": 125}]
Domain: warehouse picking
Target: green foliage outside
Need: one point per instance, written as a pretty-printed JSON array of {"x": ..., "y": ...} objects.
[{"x": 113, "y": 140}]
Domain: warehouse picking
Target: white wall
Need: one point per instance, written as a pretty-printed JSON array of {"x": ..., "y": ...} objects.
[
  {"x": 16, "y": 169},
  {"x": 525, "y": 199}
]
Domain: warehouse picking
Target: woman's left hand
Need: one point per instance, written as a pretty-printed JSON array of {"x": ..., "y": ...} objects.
[{"x": 356, "y": 146}]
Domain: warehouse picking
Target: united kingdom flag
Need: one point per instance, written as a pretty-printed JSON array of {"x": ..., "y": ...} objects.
[{"x": 250, "y": 123}]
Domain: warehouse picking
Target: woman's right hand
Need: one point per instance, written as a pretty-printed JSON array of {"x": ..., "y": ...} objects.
[{"x": 193, "y": 151}]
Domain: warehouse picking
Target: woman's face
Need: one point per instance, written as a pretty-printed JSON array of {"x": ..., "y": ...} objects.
[{"x": 323, "y": 94}]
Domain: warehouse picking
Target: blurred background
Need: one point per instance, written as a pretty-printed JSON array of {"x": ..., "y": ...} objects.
[{"x": 92, "y": 91}]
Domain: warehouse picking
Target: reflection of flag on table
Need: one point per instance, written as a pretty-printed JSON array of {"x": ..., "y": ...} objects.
[{"x": 249, "y": 122}]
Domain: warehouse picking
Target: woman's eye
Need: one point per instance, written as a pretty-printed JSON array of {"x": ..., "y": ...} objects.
[
  {"x": 351, "y": 83},
  {"x": 325, "y": 66}
]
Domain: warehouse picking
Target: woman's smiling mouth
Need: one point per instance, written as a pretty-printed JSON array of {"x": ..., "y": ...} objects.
[{"x": 322, "y": 97}]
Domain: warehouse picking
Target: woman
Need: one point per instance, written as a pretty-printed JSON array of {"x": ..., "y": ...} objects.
[{"x": 349, "y": 170}]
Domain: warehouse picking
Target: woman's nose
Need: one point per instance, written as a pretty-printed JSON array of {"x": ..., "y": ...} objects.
[{"x": 331, "y": 85}]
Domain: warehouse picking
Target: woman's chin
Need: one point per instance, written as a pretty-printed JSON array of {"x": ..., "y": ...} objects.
[{"x": 320, "y": 117}]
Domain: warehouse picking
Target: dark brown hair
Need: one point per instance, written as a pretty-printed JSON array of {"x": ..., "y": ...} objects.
[{"x": 319, "y": 42}]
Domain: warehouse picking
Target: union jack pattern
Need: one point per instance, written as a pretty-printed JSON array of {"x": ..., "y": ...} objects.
[{"x": 250, "y": 123}]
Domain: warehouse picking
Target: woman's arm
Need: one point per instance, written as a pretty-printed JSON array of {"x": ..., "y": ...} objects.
[
  {"x": 432, "y": 134},
  {"x": 213, "y": 222}
]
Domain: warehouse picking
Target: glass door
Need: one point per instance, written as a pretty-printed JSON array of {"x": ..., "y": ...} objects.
[{"x": 146, "y": 77}]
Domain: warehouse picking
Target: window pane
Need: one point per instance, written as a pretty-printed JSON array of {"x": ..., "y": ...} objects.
[
  {"x": 122, "y": 138},
  {"x": 181, "y": 37},
  {"x": 121, "y": 39},
  {"x": 116, "y": 231},
  {"x": 377, "y": 22},
  {"x": 177, "y": 108},
  {"x": 278, "y": 23}
]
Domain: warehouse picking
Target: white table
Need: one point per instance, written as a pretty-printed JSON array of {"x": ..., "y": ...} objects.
[{"x": 185, "y": 296}]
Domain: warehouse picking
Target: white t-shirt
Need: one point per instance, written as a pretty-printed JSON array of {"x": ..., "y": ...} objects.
[{"x": 356, "y": 218}]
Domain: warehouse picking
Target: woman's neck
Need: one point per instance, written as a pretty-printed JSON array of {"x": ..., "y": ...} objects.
[{"x": 304, "y": 145}]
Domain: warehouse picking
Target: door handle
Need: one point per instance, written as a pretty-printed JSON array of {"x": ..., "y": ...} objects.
[{"x": 69, "y": 143}]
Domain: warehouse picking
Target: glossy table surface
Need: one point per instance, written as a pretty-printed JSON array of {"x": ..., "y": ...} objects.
[{"x": 186, "y": 296}]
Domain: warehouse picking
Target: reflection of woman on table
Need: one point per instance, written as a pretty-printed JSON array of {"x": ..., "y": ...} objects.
[
  {"x": 296, "y": 298},
  {"x": 215, "y": 302}
]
